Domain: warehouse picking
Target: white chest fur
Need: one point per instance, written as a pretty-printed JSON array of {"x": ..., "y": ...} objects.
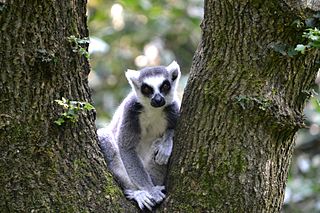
[{"x": 153, "y": 124}]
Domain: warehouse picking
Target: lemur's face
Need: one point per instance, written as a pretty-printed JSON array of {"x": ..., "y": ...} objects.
[
  {"x": 155, "y": 86},
  {"x": 157, "y": 90}
]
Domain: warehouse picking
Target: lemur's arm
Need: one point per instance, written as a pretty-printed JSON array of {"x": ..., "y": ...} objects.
[
  {"x": 132, "y": 163},
  {"x": 163, "y": 146},
  {"x": 146, "y": 193},
  {"x": 128, "y": 138}
]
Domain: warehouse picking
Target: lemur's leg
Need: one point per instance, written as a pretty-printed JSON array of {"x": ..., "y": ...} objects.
[
  {"x": 111, "y": 153},
  {"x": 157, "y": 173}
]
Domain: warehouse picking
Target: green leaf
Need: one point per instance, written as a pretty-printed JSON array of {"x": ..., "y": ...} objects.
[
  {"x": 314, "y": 37},
  {"x": 59, "y": 102},
  {"x": 72, "y": 110},
  {"x": 300, "y": 48},
  {"x": 83, "y": 41},
  {"x": 60, "y": 121},
  {"x": 88, "y": 106}
]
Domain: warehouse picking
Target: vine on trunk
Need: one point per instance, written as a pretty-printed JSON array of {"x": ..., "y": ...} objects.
[{"x": 72, "y": 109}]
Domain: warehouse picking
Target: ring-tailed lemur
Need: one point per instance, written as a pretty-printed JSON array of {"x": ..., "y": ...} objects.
[{"x": 137, "y": 143}]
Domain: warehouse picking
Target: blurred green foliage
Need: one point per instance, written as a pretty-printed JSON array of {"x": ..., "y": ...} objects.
[
  {"x": 133, "y": 34},
  {"x": 303, "y": 187},
  {"x": 311, "y": 34}
]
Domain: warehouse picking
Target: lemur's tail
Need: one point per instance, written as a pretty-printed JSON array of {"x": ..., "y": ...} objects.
[{"x": 107, "y": 145}]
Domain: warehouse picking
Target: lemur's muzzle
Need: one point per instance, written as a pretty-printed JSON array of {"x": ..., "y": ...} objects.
[{"x": 157, "y": 100}]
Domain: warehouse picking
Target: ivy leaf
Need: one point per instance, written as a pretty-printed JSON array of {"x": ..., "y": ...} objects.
[
  {"x": 88, "y": 106},
  {"x": 314, "y": 37},
  {"x": 300, "y": 48},
  {"x": 59, "y": 122},
  {"x": 83, "y": 41},
  {"x": 72, "y": 108}
]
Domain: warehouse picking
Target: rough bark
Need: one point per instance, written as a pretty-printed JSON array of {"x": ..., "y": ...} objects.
[
  {"x": 45, "y": 167},
  {"x": 234, "y": 141},
  {"x": 240, "y": 111}
]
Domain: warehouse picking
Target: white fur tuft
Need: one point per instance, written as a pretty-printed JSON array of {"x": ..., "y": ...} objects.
[
  {"x": 132, "y": 77},
  {"x": 174, "y": 70},
  {"x": 173, "y": 66}
]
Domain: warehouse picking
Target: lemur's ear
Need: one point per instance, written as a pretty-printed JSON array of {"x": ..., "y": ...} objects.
[
  {"x": 174, "y": 70},
  {"x": 132, "y": 76}
]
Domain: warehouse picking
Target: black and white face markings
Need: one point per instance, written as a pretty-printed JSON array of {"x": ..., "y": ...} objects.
[
  {"x": 147, "y": 90},
  {"x": 156, "y": 88},
  {"x": 165, "y": 87}
]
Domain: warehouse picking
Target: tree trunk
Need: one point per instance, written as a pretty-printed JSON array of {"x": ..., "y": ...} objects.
[
  {"x": 45, "y": 167},
  {"x": 241, "y": 109}
]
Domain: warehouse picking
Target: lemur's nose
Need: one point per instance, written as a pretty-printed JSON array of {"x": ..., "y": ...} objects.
[{"x": 157, "y": 100}]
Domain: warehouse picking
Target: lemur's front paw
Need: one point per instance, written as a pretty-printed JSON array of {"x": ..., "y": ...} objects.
[
  {"x": 157, "y": 194},
  {"x": 142, "y": 197},
  {"x": 162, "y": 154}
]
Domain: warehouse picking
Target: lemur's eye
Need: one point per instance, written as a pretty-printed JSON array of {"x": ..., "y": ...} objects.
[
  {"x": 146, "y": 90},
  {"x": 165, "y": 87}
]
